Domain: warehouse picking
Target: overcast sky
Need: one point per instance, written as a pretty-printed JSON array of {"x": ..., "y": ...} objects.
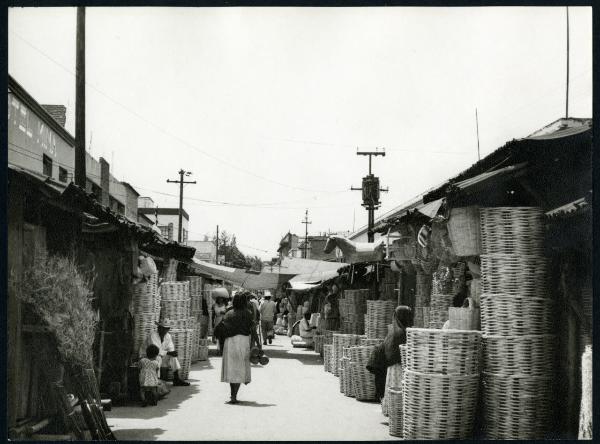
[{"x": 266, "y": 106}]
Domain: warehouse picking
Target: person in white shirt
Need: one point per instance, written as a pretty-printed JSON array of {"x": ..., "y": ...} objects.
[
  {"x": 267, "y": 317},
  {"x": 167, "y": 356}
]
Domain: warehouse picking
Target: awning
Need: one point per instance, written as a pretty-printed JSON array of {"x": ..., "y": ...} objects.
[
  {"x": 491, "y": 177},
  {"x": 571, "y": 209},
  {"x": 356, "y": 251},
  {"x": 250, "y": 280},
  {"x": 429, "y": 210},
  {"x": 312, "y": 280}
]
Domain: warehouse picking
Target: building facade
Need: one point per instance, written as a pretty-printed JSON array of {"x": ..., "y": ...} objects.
[{"x": 167, "y": 219}]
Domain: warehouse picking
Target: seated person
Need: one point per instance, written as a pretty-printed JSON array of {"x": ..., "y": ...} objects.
[
  {"x": 306, "y": 333},
  {"x": 149, "y": 367}
]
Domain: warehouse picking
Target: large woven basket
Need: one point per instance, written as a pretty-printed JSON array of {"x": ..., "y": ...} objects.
[
  {"x": 438, "y": 311},
  {"x": 464, "y": 231},
  {"x": 512, "y": 230},
  {"x": 403, "y": 356},
  {"x": 514, "y": 275},
  {"x": 363, "y": 382},
  {"x": 379, "y": 315},
  {"x": 318, "y": 341},
  {"x": 393, "y": 380},
  {"x": 394, "y": 411},
  {"x": 518, "y": 407},
  {"x": 453, "y": 352},
  {"x": 339, "y": 342},
  {"x": 182, "y": 339},
  {"x": 533, "y": 355},
  {"x": 374, "y": 341},
  {"x": 328, "y": 336},
  {"x": 195, "y": 289},
  {"x": 439, "y": 406},
  {"x": 327, "y": 358},
  {"x": 346, "y": 377},
  {"x": 143, "y": 325},
  {"x": 508, "y": 315}
]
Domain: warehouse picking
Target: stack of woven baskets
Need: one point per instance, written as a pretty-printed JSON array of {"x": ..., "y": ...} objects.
[
  {"x": 340, "y": 341},
  {"x": 379, "y": 315},
  {"x": 145, "y": 309},
  {"x": 422, "y": 300},
  {"x": 318, "y": 341},
  {"x": 175, "y": 307},
  {"x": 392, "y": 404},
  {"x": 328, "y": 357},
  {"x": 346, "y": 386},
  {"x": 196, "y": 311},
  {"x": 441, "y": 297},
  {"x": 363, "y": 381},
  {"x": 352, "y": 311},
  {"x": 517, "y": 322},
  {"x": 441, "y": 383}
]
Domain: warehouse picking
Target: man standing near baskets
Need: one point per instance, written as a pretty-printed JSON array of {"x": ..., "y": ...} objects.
[{"x": 167, "y": 355}]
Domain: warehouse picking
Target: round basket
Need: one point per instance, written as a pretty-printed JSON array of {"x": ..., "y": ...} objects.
[
  {"x": 318, "y": 341},
  {"x": 175, "y": 290},
  {"x": 348, "y": 386},
  {"x": 327, "y": 352},
  {"x": 464, "y": 231},
  {"x": 360, "y": 353},
  {"x": 514, "y": 275},
  {"x": 328, "y": 336},
  {"x": 394, "y": 410},
  {"x": 452, "y": 352},
  {"x": 533, "y": 355},
  {"x": 507, "y": 315},
  {"x": 374, "y": 341},
  {"x": 363, "y": 382},
  {"x": 379, "y": 314},
  {"x": 339, "y": 342},
  {"x": 512, "y": 230},
  {"x": 438, "y": 311},
  {"x": 182, "y": 339},
  {"x": 518, "y": 407},
  {"x": 143, "y": 325},
  {"x": 439, "y": 406}
]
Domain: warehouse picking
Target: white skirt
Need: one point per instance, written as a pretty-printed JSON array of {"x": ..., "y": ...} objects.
[{"x": 236, "y": 360}]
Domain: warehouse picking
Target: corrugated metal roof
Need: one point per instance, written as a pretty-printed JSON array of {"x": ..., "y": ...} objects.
[
  {"x": 561, "y": 128},
  {"x": 569, "y": 209}
]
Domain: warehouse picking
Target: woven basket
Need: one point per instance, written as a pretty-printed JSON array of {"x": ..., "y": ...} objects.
[
  {"x": 518, "y": 407},
  {"x": 452, "y": 352},
  {"x": 403, "y": 354},
  {"x": 195, "y": 290},
  {"x": 514, "y": 275},
  {"x": 182, "y": 339},
  {"x": 143, "y": 325},
  {"x": 345, "y": 377},
  {"x": 464, "y": 231},
  {"x": 507, "y": 315},
  {"x": 439, "y": 406},
  {"x": 379, "y": 314},
  {"x": 394, "y": 410},
  {"x": 327, "y": 360},
  {"x": 339, "y": 342},
  {"x": 438, "y": 311},
  {"x": 512, "y": 230},
  {"x": 177, "y": 310},
  {"x": 175, "y": 290},
  {"x": 328, "y": 336},
  {"x": 367, "y": 341},
  {"x": 318, "y": 341},
  {"x": 363, "y": 382},
  {"x": 464, "y": 318},
  {"x": 203, "y": 353},
  {"x": 532, "y": 355}
]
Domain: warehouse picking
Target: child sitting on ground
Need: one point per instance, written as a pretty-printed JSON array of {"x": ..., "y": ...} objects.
[{"x": 149, "y": 368}]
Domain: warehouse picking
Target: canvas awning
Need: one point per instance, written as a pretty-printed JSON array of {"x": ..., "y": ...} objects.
[
  {"x": 312, "y": 280},
  {"x": 356, "y": 251},
  {"x": 250, "y": 280}
]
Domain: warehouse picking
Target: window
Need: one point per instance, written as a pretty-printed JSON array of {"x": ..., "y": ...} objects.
[
  {"x": 170, "y": 236},
  {"x": 47, "y": 165},
  {"x": 62, "y": 174},
  {"x": 184, "y": 236},
  {"x": 164, "y": 230}
]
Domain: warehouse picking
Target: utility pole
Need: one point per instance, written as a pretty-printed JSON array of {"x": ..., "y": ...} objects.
[
  {"x": 477, "y": 125},
  {"x": 370, "y": 191},
  {"x": 217, "y": 258},
  {"x": 306, "y": 222},
  {"x": 80, "y": 175},
  {"x": 181, "y": 182}
]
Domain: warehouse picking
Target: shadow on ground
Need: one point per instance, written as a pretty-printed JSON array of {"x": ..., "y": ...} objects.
[
  {"x": 168, "y": 404},
  {"x": 252, "y": 404},
  {"x": 138, "y": 434}
]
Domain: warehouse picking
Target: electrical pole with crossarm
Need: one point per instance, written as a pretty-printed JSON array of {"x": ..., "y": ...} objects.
[
  {"x": 306, "y": 222},
  {"x": 370, "y": 191},
  {"x": 181, "y": 182}
]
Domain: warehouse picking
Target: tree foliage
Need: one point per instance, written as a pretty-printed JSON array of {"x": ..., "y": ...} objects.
[{"x": 233, "y": 256}]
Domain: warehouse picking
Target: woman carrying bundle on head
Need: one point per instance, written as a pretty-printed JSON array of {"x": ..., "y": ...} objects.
[
  {"x": 388, "y": 352},
  {"x": 237, "y": 330}
]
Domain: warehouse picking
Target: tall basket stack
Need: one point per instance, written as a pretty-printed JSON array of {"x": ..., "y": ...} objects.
[
  {"x": 422, "y": 298},
  {"x": 363, "y": 381},
  {"x": 379, "y": 315},
  {"x": 175, "y": 306},
  {"x": 327, "y": 357},
  {"x": 516, "y": 321},
  {"x": 441, "y": 297},
  {"x": 346, "y": 384},
  {"x": 145, "y": 312},
  {"x": 196, "y": 296},
  {"x": 352, "y": 311},
  {"x": 340, "y": 341},
  {"x": 441, "y": 383}
]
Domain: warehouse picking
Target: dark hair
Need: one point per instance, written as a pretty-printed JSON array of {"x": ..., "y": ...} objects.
[
  {"x": 307, "y": 316},
  {"x": 240, "y": 301},
  {"x": 152, "y": 351}
]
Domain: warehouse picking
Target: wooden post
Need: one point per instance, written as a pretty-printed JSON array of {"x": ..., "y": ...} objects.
[{"x": 80, "y": 174}]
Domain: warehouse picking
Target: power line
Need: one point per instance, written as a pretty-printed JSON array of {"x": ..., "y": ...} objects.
[{"x": 174, "y": 136}]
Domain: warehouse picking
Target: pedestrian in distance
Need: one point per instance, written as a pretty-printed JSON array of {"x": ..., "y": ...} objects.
[
  {"x": 149, "y": 367},
  {"x": 388, "y": 352},
  {"x": 267, "y": 316},
  {"x": 238, "y": 333}
]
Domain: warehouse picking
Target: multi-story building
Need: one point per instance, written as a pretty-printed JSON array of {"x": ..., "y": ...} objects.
[
  {"x": 205, "y": 250},
  {"x": 294, "y": 246},
  {"x": 39, "y": 142},
  {"x": 288, "y": 246},
  {"x": 167, "y": 219}
]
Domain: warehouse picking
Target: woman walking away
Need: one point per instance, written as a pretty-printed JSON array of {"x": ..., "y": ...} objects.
[
  {"x": 238, "y": 331},
  {"x": 388, "y": 352}
]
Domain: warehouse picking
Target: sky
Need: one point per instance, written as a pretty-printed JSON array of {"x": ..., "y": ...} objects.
[{"x": 268, "y": 106}]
